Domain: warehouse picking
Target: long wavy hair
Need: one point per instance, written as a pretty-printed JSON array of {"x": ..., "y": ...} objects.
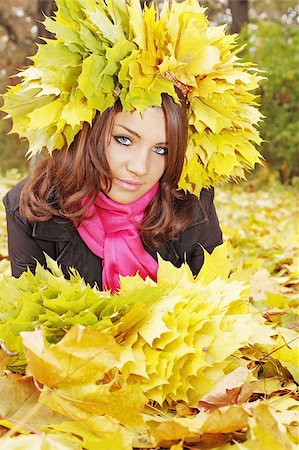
[{"x": 61, "y": 181}]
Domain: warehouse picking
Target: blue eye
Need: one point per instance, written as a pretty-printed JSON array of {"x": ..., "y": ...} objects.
[
  {"x": 161, "y": 150},
  {"x": 123, "y": 140}
]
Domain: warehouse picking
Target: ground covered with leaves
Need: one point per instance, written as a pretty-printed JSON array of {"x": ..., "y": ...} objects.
[{"x": 210, "y": 363}]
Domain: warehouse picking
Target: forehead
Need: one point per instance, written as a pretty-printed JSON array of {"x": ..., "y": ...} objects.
[{"x": 150, "y": 123}]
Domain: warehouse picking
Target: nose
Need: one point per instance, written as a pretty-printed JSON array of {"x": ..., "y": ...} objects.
[{"x": 138, "y": 162}]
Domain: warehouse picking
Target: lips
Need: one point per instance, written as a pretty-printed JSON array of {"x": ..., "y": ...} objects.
[{"x": 128, "y": 184}]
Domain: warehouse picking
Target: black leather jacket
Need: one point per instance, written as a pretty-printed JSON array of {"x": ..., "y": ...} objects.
[{"x": 28, "y": 241}]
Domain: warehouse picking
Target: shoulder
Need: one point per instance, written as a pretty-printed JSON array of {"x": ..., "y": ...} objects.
[
  {"x": 203, "y": 216},
  {"x": 196, "y": 209},
  {"x": 201, "y": 207},
  {"x": 54, "y": 229},
  {"x": 12, "y": 198},
  {"x": 204, "y": 230},
  {"x": 206, "y": 199}
]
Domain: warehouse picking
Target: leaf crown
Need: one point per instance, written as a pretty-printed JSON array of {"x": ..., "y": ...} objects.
[{"x": 108, "y": 49}]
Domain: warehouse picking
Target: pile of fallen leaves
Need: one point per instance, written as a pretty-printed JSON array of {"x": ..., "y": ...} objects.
[
  {"x": 181, "y": 363},
  {"x": 263, "y": 229}
]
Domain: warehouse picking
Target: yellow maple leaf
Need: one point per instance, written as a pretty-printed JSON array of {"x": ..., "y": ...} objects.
[
  {"x": 226, "y": 420},
  {"x": 74, "y": 374},
  {"x": 72, "y": 358},
  {"x": 168, "y": 431},
  {"x": 215, "y": 265},
  {"x": 287, "y": 352},
  {"x": 266, "y": 432}
]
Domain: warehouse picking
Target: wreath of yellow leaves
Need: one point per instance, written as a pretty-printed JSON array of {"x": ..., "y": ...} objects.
[{"x": 115, "y": 49}]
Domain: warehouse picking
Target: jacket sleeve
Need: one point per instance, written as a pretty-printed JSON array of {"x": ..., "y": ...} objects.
[
  {"x": 23, "y": 250},
  {"x": 209, "y": 236}
]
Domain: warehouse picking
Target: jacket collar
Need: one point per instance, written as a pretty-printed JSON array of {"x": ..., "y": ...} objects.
[{"x": 58, "y": 229}]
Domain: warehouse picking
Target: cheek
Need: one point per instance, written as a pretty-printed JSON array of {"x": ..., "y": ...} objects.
[{"x": 112, "y": 157}]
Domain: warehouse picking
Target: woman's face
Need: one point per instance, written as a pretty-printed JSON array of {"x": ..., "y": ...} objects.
[{"x": 136, "y": 153}]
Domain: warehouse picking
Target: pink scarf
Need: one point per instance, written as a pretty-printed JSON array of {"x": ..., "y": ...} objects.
[{"x": 110, "y": 231}]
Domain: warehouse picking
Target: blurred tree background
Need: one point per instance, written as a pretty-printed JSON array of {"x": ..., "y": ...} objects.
[{"x": 268, "y": 27}]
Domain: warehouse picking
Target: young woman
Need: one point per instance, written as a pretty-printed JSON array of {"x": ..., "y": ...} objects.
[
  {"x": 109, "y": 204},
  {"x": 115, "y": 99}
]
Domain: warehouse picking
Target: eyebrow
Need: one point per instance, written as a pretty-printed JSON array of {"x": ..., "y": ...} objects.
[
  {"x": 129, "y": 130},
  {"x": 135, "y": 133}
]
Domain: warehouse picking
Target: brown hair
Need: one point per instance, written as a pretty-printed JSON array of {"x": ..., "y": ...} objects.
[{"x": 61, "y": 181}]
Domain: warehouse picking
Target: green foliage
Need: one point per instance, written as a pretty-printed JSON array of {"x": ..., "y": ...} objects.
[{"x": 274, "y": 48}]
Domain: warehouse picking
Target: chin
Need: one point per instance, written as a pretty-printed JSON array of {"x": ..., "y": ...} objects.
[{"x": 124, "y": 198}]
